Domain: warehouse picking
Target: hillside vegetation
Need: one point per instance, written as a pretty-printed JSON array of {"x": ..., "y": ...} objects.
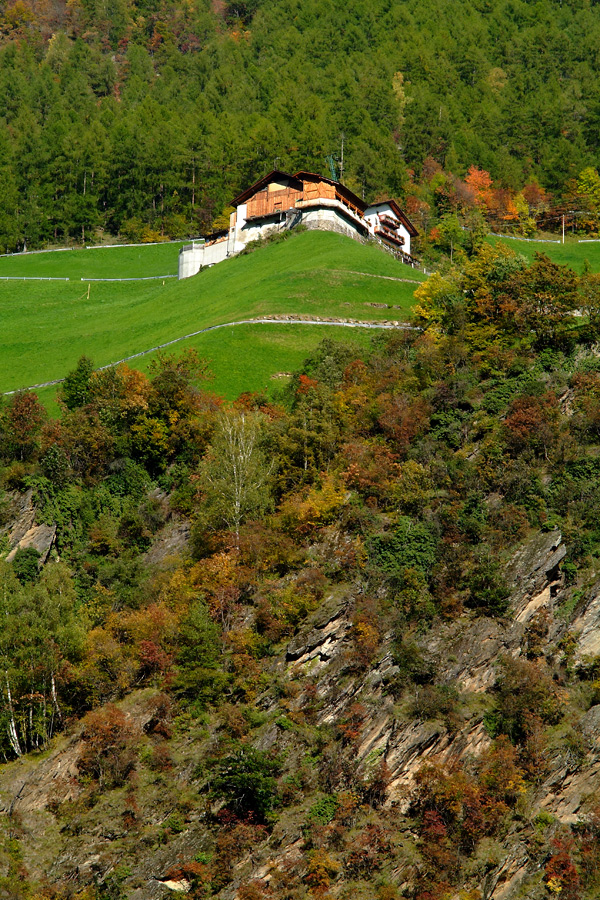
[
  {"x": 344, "y": 645},
  {"x": 49, "y": 325}
]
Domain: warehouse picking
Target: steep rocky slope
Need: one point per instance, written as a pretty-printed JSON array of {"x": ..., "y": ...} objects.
[{"x": 142, "y": 837}]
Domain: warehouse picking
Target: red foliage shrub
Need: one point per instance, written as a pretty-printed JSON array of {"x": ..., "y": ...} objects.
[
  {"x": 153, "y": 659},
  {"x": 402, "y": 419},
  {"x": 352, "y": 723},
  {"x": 371, "y": 468},
  {"x": 161, "y": 760},
  {"x": 198, "y": 874},
  {"x": 366, "y": 637},
  {"x": 234, "y": 839},
  {"x": 131, "y": 812},
  {"x": 24, "y": 419},
  {"x": 109, "y": 746},
  {"x": 306, "y": 384},
  {"x": 370, "y": 848},
  {"x": 160, "y": 708},
  {"x": 561, "y": 875},
  {"x": 254, "y": 890},
  {"x": 532, "y": 422}
]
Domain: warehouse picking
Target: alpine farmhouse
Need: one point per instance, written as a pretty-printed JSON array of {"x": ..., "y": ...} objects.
[{"x": 280, "y": 201}]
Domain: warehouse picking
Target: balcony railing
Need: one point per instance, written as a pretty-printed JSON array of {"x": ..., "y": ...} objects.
[
  {"x": 389, "y": 235},
  {"x": 388, "y": 221}
]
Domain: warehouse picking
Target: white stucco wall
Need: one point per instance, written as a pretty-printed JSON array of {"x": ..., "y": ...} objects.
[
  {"x": 406, "y": 235},
  {"x": 372, "y": 217},
  {"x": 254, "y": 231}
]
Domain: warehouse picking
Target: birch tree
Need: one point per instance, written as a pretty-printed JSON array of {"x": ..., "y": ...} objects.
[
  {"x": 40, "y": 635},
  {"x": 235, "y": 475}
]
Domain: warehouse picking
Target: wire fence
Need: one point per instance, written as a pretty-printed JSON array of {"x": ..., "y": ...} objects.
[
  {"x": 33, "y": 252},
  {"x": 515, "y": 237},
  {"x": 31, "y": 278},
  {"x": 52, "y": 278},
  {"x": 95, "y": 247},
  {"x": 145, "y": 278},
  {"x": 144, "y": 244},
  {"x": 285, "y": 320}
]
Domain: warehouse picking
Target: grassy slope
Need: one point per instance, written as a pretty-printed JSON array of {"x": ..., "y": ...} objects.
[
  {"x": 249, "y": 357},
  {"x": 568, "y": 254},
  {"x": 102, "y": 262},
  {"x": 48, "y": 325}
]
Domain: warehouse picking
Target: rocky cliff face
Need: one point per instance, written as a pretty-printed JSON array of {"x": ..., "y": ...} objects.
[{"x": 352, "y": 733}]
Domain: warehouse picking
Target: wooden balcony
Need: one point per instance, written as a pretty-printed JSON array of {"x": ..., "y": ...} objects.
[
  {"x": 388, "y": 221},
  {"x": 388, "y": 235}
]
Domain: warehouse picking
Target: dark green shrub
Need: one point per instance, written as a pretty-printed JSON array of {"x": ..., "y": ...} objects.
[
  {"x": 55, "y": 465},
  {"x": 324, "y": 810},
  {"x": 245, "y": 780},
  {"x": 127, "y": 478},
  {"x": 75, "y": 390},
  {"x": 569, "y": 570},
  {"x": 200, "y": 677},
  {"x": 487, "y": 589},
  {"x": 26, "y": 564},
  {"x": 414, "y": 667},
  {"x": 133, "y": 531},
  {"x": 410, "y": 546}
]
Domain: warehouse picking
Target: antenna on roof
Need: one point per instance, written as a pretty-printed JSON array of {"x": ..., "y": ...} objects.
[{"x": 336, "y": 157}]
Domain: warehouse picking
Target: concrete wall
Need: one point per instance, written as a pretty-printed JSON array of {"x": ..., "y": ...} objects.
[
  {"x": 190, "y": 260},
  {"x": 253, "y": 231},
  {"x": 329, "y": 220},
  {"x": 197, "y": 256}
]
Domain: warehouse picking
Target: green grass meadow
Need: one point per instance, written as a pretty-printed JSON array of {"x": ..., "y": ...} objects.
[
  {"x": 47, "y": 326},
  {"x": 98, "y": 262},
  {"x": 259, "y": 357},
  {"x": 255, "y": 358},
  {"x": 570, "y": 253}
]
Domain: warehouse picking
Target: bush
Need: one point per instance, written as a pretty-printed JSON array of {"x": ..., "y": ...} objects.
[
  {"x": 324, "y": 809},
  {"x": 109, "y": 746},
  {"x": 245, "y": 781},
  {"x": 413, "y": 665},
  {"x": 410, "y": 546},
  {"x": 487, "y": 590},
  {"x": 437, "y": 702},
  {"x": 75, "y": 390},
  {"x": 524, "y": 691},
  {"x": 199, "y": 673},
  {"x": 26, "y": 564}
]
